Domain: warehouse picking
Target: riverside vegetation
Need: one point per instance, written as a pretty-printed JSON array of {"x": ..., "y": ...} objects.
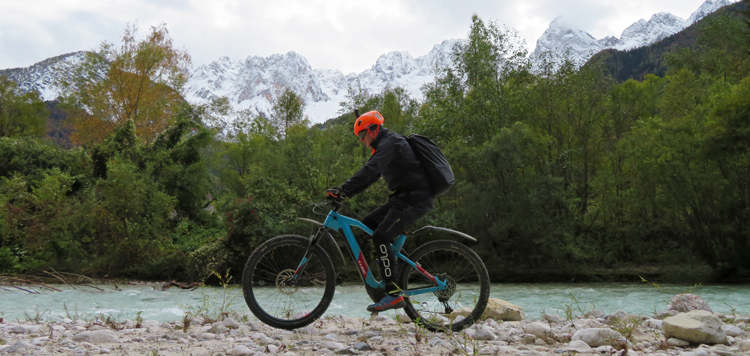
[{"x": 560, "y": 174}]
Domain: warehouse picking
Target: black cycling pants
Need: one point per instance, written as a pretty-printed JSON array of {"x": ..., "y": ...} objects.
[{"x": 392, "y": 219}]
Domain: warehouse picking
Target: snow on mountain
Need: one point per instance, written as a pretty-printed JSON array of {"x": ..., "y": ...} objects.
[
  {"x": 563, "y": 40},
  {"x": 253, "y": 84},
  {"x": 706, "y": 9},
  {"x": 43, "y": 76},
  {"x": 643, "y": 33}
]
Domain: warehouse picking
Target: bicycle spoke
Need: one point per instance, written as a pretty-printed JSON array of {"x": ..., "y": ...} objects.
[
  {"x": 467, "y": 286},
  {"x": 276, "y": 298}
]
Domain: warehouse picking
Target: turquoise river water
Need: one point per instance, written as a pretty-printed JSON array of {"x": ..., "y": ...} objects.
[{"x": 351, "y": 300}]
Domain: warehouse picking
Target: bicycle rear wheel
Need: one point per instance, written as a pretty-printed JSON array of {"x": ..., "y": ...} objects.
[
  {"x": 468, "y": 286},
  {"x": 277, "y": 300}
]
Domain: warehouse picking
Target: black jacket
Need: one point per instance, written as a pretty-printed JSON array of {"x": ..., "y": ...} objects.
[{"x": 394, "y": 160}]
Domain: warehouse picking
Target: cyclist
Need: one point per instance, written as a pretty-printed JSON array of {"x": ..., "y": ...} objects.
[{"x": 394, "y": 160}]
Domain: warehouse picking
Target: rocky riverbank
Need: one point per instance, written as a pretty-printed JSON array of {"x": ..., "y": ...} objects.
[{"x": 688, "y": 327}]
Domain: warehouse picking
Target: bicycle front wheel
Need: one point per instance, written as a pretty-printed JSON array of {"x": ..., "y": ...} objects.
[
  {"x": 277, "y": 299},
  {"x": 465, "y": 299}
]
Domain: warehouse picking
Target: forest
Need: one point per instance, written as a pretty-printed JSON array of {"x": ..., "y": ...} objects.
[{"x": 563, "y": 174}]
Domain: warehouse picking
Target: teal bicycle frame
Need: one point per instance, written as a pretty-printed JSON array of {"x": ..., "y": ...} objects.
[{"x": 336, "y": 222}]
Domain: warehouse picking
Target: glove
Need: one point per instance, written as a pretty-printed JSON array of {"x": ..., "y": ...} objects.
[{"x": 335, "y": 193}]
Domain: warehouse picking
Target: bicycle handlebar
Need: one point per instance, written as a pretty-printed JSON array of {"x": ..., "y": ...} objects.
[{"x": 333, "y": 204}]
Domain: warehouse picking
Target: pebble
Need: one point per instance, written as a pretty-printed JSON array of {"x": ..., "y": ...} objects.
[{"x": 348, "y": 336}]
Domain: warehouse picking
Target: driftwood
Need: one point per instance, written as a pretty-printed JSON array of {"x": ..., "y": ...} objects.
[
  {"x": 32, "y": 283},
  {"x": 10, "y": 281},
  {"x": 191, "y": 286}
]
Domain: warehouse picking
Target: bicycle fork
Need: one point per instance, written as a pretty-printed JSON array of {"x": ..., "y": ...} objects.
[{"x": 306, "y": 258}]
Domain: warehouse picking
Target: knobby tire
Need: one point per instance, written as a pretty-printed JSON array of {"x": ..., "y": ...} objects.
[
  {"x": 469, "y": 286},
  {"x": 275, "y": 301}
]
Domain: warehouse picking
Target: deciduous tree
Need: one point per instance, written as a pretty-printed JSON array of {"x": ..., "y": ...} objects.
[
  {"x": 140, "y": 82},
  {"x": 20, "y": 114}
]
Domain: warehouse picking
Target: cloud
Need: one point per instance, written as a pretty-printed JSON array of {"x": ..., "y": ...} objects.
[{"x": 337, "y": 34}]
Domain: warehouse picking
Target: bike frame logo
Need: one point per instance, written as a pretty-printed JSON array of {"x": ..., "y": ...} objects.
[
  {"x": 385, "y": 260},
  {"x": 362, "y": 264}
]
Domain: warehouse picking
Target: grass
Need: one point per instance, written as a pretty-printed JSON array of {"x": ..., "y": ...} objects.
[
  {"x": 38, "y": 316},
  {"x": 574, "y": 310},
  {"x": 208, "y": 309}
]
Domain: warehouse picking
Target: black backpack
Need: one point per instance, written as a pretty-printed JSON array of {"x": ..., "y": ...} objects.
[{"x": 437, "y": 168}]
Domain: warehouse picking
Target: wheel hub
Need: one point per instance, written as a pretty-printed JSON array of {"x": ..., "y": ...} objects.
[
  {"x": 284, "y": 282},
  {"x": 447, "y": 293}
]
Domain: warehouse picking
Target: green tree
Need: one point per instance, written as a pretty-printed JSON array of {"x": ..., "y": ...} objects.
[
  {"x": 21, "y": 114},
  {"x": 287, "y": 111}
]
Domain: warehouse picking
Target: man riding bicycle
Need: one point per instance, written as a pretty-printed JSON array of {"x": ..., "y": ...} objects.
[{"x": 394, "y": 160}]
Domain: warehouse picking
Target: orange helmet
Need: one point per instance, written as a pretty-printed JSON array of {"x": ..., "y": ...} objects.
[{"x": 366, "y": 120}]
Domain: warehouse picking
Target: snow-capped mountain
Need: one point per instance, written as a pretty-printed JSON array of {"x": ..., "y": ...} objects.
[
  {"x": 644, "y": 33},
  {"x": 43, "y": 76},
  {"x": 254, "y": 83},
  {"x": 563, "y": 40}
]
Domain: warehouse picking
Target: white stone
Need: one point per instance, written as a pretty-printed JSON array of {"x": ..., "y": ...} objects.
[
  {"x": 616, "y": 316},
  {"x": 25, "y": 329},
  {"x": 335, "y": 346},
  {"x": 696, "y": 326},
  {"x": 497, "y": 309},
  {"x": 255, "y": 325},
  {"x": 272, "y": 348},
  {"x": 594, "y": 314},
  {"x": 382, "y": 319},
  {"x": 733, "y": 330},
  {"x": 206, "y": 336},
  {"x": 176, "y": 335},
  {"x": 485, "y": 333},
  {"x": 218, "y": 329},
  {"x": 600, "y": 337},
  {"x": 436, "y": 341},
  {"x": 553, "y": 318},
  {"x": 18, "y": 346},
  {"x": 677, "y": 342},
  {"x": 744, "y": 345},
  {"x": 686, "y": 302},
  {"x": 95, "y": 337},
  {"x": 538, "y": 329},
  {"x": 507, "y": 350},
  {"x": 653, "y": 324},
  {"x": 153, "y": 324},
  {"x": 231, "y": 323}
]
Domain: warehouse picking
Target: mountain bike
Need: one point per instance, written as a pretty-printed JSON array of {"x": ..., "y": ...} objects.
[{"x": 289, "y": 281}]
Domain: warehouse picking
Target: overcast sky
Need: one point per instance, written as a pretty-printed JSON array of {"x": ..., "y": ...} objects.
[{"x": 348, "y": 35}]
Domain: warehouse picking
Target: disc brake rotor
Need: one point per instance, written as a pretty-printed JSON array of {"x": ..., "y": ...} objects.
[
  {"x": 284, "y": 283},
  {"x": 450, "y": 289}
]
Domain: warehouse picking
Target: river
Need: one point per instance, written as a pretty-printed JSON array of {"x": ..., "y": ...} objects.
[{"x": 351, "y": 300}]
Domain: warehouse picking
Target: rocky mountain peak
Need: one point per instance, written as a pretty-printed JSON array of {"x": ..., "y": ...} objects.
[
  {"x": 706, "y": 9},
  {"x": 563, "y": 41},
  {"x": 254, "y": 83}
]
